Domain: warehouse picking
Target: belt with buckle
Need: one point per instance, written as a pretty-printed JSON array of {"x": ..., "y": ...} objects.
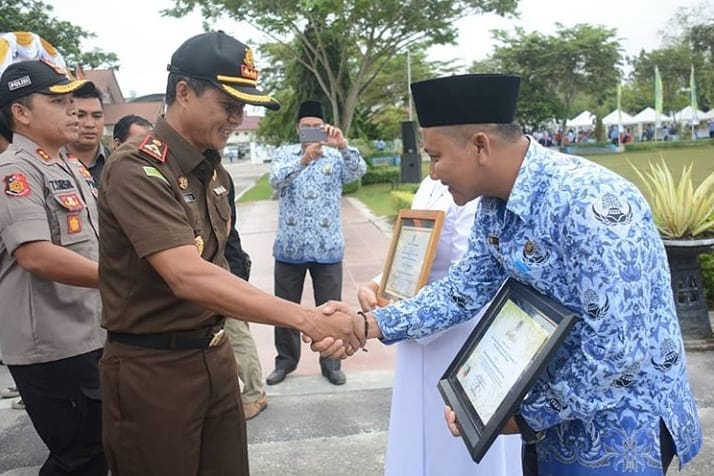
[{"x": 203, "y": 338}]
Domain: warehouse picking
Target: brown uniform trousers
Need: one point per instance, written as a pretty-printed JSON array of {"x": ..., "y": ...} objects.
[{"x": 202, "y": 414}]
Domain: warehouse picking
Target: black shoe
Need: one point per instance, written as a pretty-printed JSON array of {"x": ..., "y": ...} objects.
[
  {"x": 276, "y": 376},
  {"x": 336, "y": 376}
]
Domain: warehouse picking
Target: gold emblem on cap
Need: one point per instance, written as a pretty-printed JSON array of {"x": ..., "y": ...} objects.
[
  {"x": 529, "y": 248},
  {"x": 198, "y": 241},
  {"x": 247, "y": 69},
  {"x": 248, "y": 60},
  {"x": 182, "y": 182}
]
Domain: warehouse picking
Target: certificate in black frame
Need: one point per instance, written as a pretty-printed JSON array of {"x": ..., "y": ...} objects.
[{"x": 482, "y": 404}]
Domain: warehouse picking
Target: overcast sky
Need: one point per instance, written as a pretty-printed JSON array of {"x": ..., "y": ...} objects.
[{"x": 144, "y": 40}]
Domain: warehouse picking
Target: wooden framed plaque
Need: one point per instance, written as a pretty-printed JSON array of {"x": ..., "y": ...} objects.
[
  {"x": 501, "y": 360},
  {"x": 411, "y": 253}
]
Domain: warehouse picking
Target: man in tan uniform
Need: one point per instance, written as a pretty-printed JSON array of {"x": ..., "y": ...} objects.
[
  {"x": 172, "y": 403},
  {"x": 51, "y": 339}
]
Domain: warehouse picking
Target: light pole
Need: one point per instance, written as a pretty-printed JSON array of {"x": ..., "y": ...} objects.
[{"x": 409, "y": 82}]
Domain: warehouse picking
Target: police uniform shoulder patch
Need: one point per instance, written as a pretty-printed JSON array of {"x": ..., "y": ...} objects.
[
  {"x": 154, "y": 148},
  {"x": 16, "y": 185}
]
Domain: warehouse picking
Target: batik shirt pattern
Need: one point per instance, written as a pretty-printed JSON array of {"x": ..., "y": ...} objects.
[
  {"x": 310, "y": 220},
  {"x": 585, "y": 236}
]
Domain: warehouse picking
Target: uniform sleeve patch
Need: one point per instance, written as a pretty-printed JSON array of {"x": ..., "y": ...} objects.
[
  {"x": 153, "y": 172},
  {"x": 70, "y": 201},
  {"x": 16, "y": 185},
  {"x": 154, "y": 148},
  {"x": 74, "y": 224}
]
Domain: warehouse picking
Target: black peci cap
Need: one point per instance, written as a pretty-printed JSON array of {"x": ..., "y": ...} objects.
[
  {"x": 466, "y": 99},
  {"x": 224, "y": 62},
  {"x": 311, "y": 109},
  {"x": 27, "y": 77}
]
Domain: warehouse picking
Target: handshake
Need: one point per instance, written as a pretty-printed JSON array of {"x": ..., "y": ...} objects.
[{"x": 341, "y": 330}]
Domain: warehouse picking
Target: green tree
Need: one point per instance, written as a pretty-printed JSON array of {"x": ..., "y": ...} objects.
[
  {"x": 556, "y": 70},
  {"x": 381, "y": 107},
  {"x": 674, "y": 63},
  {"x": 36, "y": 16},
  {"x": 371, "y": 34}
]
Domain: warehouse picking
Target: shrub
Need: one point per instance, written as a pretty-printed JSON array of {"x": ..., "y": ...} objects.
[
  {"x": 678, "y": 209},
  {"x": 667, "y": 144},
  {"x": 381, "y": 175},
  {"x": 401, "y": 199},
  {"x": 351, "y": 187}
]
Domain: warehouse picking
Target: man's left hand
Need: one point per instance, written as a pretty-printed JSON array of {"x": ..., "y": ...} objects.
[{"x": 335, "y": 137}]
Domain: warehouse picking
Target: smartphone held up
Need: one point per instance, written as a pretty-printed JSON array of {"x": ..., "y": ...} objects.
[{"x": 309, "y": 135}]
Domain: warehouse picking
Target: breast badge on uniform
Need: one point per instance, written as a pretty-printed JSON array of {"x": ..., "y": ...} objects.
[
  {"x": 182, "y": 182},
  {"x": 198, "y": 241},
  {"x": 43, "y": 155},
  {"x": 74, "y": 224},
  {"x": 610, "y": 211},
  {"x": 154, "y": 148},
  {"x": 70, "y": 201},
  {"x": 16, "y": 185}
]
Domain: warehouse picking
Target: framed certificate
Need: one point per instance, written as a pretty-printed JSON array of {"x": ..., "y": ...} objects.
[
  {"x": 500, "y": 361},
  {"x": 411, "y": 253}
]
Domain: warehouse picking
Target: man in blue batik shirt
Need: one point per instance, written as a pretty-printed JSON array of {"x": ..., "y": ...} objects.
[
  {"x": 308, "y": 178},
  {"x": 615, "y": 399}
]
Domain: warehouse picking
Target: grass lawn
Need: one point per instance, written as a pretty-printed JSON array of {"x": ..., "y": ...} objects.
[
  {"x": 260, "y": 191},
  {"x": 376, "y": 197}
]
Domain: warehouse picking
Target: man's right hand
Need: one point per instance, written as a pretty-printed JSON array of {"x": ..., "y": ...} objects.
[
  {"x": 311, "y": 153},
  {"x": 340, "y": 331}
]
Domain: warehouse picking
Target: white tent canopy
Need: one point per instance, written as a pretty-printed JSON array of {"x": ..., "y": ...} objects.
[
  {"x": 708, "y": 116},
  {"x": 614, "y": 119},
  {"x": 685, "y": 115},
  {"x": 584, "y": 119},
  {"x": 649, "y": 115}
]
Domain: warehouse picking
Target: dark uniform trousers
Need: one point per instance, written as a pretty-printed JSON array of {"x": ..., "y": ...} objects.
[
  {"x": 188, "y": 399},
  {"x": 289, "y": 282},
  {"x": 63, "y": 401}
]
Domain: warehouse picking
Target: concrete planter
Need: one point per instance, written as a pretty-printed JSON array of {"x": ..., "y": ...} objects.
[{"x": 688, "y": 291}]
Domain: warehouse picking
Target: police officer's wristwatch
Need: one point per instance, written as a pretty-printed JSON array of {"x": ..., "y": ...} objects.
[{"x": 528, "y": 434}]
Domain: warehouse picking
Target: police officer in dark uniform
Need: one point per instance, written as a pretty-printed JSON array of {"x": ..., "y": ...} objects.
[
  {"x": 172, "y": 402},
  {"x": 51, "y": 339}
]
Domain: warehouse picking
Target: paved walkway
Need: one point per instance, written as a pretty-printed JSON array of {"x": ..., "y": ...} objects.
[{"x": 312, "y": 427}]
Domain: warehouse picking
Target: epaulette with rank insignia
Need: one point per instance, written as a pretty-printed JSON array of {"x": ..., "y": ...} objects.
[{"x": 154, "y": 148}]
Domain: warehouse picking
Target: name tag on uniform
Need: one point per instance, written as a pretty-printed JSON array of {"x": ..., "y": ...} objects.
[
  {"x": 220, "y": 190},
  {"x": 189, "y": 197}
]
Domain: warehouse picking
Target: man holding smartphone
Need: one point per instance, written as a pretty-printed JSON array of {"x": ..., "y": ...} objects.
[{"x": 308, "y": 177}]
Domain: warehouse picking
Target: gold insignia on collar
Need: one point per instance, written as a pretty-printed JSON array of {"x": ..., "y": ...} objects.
[
  {"x": 529, "y": 248},
  {"x": 198, "y": 241},
  {"x": 183, "y": 182},
  {"x": 43, "y": 155},
  {"x": 154, "y": 148}
]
